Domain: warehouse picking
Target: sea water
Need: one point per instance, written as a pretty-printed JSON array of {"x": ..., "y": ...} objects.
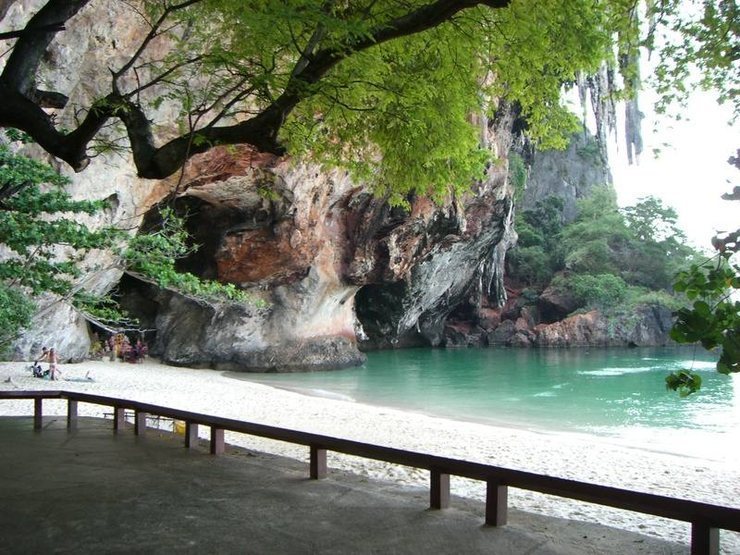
[{"x": 615, "y": 395}]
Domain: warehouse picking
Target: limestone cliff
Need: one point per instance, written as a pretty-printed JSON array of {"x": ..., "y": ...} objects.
[
  {"x": 332, "y": 269},
  {"x": 546, "y": 321},
  {"x": 568, "y": 174},
  {"x": 108, "y": 177},
  {"x": 550, "y": 318},
  {"x": 460, "y": 267},
  {"x": 303, "y": 241}
]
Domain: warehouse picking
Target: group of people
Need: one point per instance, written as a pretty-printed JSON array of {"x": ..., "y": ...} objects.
[{"x": 120, "y": 347}]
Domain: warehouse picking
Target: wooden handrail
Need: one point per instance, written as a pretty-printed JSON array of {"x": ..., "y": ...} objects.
[
  {"x": 706, "y": 518},
  {"x": 31, "y": 394}
]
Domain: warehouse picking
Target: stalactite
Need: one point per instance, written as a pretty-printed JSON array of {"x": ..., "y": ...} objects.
[
  {"x": 629, "y": 64},
  {"x": 599, "y": 90},
  {"x": 493, "y": 270},
  {"x": 632, "y": 133},
  {"x": 597, "y": 93},
  {"x": 606, "y": 85}
]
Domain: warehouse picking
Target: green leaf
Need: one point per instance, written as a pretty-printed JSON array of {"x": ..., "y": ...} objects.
[{"x": 685, "y": 382}]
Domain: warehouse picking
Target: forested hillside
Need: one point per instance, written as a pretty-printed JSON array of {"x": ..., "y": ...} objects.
[{"x": 607, "y": 257}]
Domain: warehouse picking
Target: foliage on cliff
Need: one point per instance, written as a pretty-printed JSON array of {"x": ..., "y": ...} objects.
[
  {"x": 383, "y": 87},
  {"x": 610, "y": 259},
  {"x": 44, "y": 241},
  {"x": 153, "y": 255},
  {"x": 606, "y": 255},
  {"x": 42, "y": 238}
]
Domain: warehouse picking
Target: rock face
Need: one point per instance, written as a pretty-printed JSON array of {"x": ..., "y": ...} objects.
[
  {"x": 306, "y": 244},
  {"x": 523, "y": 325},
  {"x": 82, "y": 47},
  {"x": 278, "y": 229},
  {"x": 554, "y": 305},
  {"x": 235, "y": 337},
  {"x": 302, "y": 241},
  {"x": 57, "y": 325},
  {"x": 569, "y": 174},
  {"x": 412, "y": 309},
  {"x": 648, "y": 326},
  {"x": 442, "y": 263},
  {"x": 329, "y": 266}
]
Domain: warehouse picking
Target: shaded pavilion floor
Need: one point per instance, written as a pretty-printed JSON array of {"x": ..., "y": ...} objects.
[{"x": 91, "y": 490}]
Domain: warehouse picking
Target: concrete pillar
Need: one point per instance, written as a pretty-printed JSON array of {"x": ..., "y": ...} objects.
[
  {"x": 704, "y": 539},
  {"x": 191, "y": 434},
  {"x": 38, "y": 413},
  {"x": 497, "y": 497},
  {"x": 318, "y": 463},
  {"x": 139, "y": 423},
  {"x": 439, "y": 496},
  {"x": 217, "y": 441},
  {"x": 119, "y": 418},
  {"x": 71, "y": 414}
]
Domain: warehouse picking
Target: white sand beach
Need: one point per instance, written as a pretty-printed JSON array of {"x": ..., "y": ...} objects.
[{"x": 568, "y": 456}]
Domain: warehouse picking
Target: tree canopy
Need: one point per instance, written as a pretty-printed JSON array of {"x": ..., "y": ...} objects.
[
  {"x": 604, "y": 248},
  {"x": 354, "y": 82}
]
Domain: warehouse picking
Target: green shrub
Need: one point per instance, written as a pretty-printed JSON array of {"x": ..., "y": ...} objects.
[
  {"x": 640, "y": 296},
  {"x": 153, "y": 255},
  {"x": 594, "y": 291},
  {"x": 517, "y": 175},
  {"x": 530, "y": 265},
  {"x": 38, "y": 221},
  {"x": 16, "y": 310}
]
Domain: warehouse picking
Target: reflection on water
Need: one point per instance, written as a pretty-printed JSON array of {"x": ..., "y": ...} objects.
[{"x": 616, "y": 393}]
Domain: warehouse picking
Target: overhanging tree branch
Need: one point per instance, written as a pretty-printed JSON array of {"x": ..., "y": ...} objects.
[
  {"x": 52, "y": 28},
  {"x": 153, "y": 33},
  {"x": 21, "y": 107},
  {"x": 23, "y": 64},
  {"x": 262, "y": 130}
]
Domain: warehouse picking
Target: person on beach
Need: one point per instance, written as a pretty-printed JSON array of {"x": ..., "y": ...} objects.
[
  {"x": 51, "y": 357},
  {"x": 37, "y": 372},
  {"x": 44, "y": 355}
]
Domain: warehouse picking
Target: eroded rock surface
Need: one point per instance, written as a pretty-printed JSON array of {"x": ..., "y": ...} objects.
[
  {"x": 304, "y": 242},
  {"x": 647, "y": 325},
  {"x": 328, "y": 264}
]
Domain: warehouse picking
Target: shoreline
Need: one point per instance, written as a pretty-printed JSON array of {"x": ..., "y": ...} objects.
[
  {"x": 727, "y": 455},
  {"x": 555, "y": 454}
]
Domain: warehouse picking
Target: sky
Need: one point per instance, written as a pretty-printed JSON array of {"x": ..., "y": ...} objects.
[{"x": 691, "y": 172}]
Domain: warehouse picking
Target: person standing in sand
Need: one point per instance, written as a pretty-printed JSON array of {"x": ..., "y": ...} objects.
[{"x": 51, "y": 357}]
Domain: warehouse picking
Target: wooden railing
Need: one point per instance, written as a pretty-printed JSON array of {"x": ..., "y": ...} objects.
[{"x": 706, "y": 519}]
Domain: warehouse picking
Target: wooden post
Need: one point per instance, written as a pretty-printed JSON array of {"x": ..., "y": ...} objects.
[
  {"x": 38, "y": 413},
  {"x": 704, "y": 539},
  {"x": 497, "y": 496},
  {"x": 71, "y": 414},
  {"x": 139, "y": 423},
  {"x": 119, "y": 418},
  {"x": 217, "y": 441},
  {"x": 191, "y": 434},
  {"x": 439, "y": 496},
  {"x": 318, "y": 463}
]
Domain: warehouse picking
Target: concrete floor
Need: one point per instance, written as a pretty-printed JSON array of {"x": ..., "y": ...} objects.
[{"x": 94, "y": 491}]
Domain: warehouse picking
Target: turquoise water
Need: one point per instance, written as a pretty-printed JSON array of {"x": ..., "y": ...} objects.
[{"x": 617, "y": 394}]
